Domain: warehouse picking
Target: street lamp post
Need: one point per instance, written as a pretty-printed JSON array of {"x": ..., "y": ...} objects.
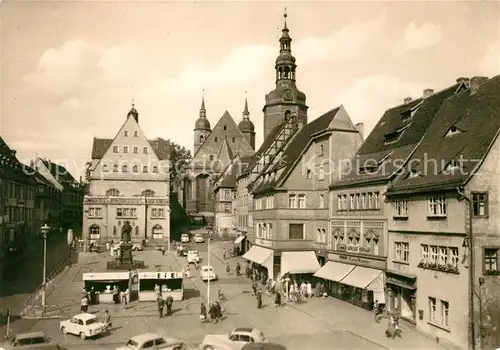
[
  {"x": 45, "y": 230},
  {"x": 208, "y": 280}
]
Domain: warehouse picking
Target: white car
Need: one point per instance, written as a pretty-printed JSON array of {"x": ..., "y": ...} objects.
[
  {"x": 152, "y": 341},
  {"x": 236, "y": 339},
  {"x": 193, "y": 257},
  {"x": 198, "y": 238},
  {"x": 84, "y": 325},
  {"x": 184, "y": 238},
  {"x": 137, "y": 247},
  {"x": 207, "y": 273}
]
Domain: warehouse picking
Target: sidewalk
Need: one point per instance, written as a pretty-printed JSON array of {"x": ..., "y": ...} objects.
[{"x": 337, "y": 313}]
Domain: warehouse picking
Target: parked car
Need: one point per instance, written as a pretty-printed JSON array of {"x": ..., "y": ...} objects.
[
  {"x": 198, "y": 238},
  {"x": 32, "y": 340},
  {"x": 84, "y": 325},
  {"x": 152, "y": 341},
  {"x": 193, "y": 257},
  {"x": 235, "y": 340},
  {"x": 263, "y": 346},
  {"x": 185, "y": 238},
  {"x": 137, "y": 247},
  {"x": 207, "y": 273}
]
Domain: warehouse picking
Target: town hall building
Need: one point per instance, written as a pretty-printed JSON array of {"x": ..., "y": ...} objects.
[{"x": 129, "y": 182}]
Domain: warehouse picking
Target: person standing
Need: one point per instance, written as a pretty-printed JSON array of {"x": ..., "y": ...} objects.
[
  {"x": 107, "y": 320},
  {"x": 213, "y": 313},
  {"x": 84, "y": 304},
  {"x": 203, "y": 312},
  {"x": 218, "y": 310},
  {"x": 123, "y": 299},
  {"x": 161, "y": 305},
  {"x": 238, "y": 269},
  {"x": 309, "y": 289},
  {"x": 376, "y": 311},
  {"x": 169, "y": 302},
  {"x": 277, "y": 299},
  {"x": 259, "y": 299},
  {"x": 254, "y": 288}
]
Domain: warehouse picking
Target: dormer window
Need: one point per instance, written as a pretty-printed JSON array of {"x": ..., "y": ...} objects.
[
  {"x": 394, "y": 136},
  {"x": 452, "y": 167},
  {"x": 413, "y": 174},
  {"x": 453, "y": 131},
  {"x": 405, "y": 116}
]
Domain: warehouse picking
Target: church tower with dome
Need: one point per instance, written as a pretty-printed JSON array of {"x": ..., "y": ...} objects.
[
  {"x": 286, "y": 99},
  {"x": 201, "y": 127}
]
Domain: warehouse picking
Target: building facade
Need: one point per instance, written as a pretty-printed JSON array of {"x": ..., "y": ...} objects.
[
  {"x": 129, "y": 181},
  {"x": 214, "y": 149},
  {"x": 17, "y": 225},
  {"x": 358, "y": 239},
  {"x": 452, "y": 182},
  {"x": 48, "y": 205}
]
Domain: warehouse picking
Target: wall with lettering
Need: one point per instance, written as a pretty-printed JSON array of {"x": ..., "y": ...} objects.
[{"x": 358, "y": 260}]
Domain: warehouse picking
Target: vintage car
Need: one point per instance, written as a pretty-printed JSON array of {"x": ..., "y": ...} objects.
[
  {"x": 32, "y": 340},
  {"x": 198, "y": 238},
  {"x": 137, "y": 247},
  {"x": 193, "y": 257},
  {"x": 152, "y": 341},
  {"x": 235, "y": 340},
  {"x": 185, "y": 238},
  {"x": 207, "y": 273},
  {"x": 84, "y": 325}
]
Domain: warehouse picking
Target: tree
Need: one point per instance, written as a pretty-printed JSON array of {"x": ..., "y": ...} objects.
[{"x": 180, "y": 157}]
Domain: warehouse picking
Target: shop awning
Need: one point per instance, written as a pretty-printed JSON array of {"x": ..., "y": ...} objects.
[
  {"x": 361, "y": 277},
  {"x": 239, "y": 239},
  {"x": 299, "y": 262},
  {"x": 334, "y": 271},
  {"x": 258, "y": 254}
]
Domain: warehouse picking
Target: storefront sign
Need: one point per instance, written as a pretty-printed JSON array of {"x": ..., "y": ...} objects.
[
  {"x": 160, "y": 275},
  {"x": 354, "y": 249},
  {"x": 358, "y": 260},
  {"x": 105, "y": 276},
  {"x": 263, "y": 242}
]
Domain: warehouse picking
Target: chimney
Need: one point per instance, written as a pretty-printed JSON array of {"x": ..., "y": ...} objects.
[
  {"x": 428, "y": 92},
  {"x": 463, "y": 80},
  {"x": 475, "y": 82},
  {"x": 407, "y": 100},
  {"x": 360, "y": 127}
]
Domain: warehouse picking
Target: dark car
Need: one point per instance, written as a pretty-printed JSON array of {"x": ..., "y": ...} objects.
[
  {"x": 263, "y": 346},
  {"x": 32, "y": 340}
]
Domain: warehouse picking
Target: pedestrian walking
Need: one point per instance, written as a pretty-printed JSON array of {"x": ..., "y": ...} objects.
[
  {"x": 107, "y": 320},
  {"x": 163, "y": 250},
  {"x": 213, "y": 313},
  {"x": 259, "y": 299},
  {"x": 376, "y": 311},
  {"x": 84, "y": 304},
  {"x": 238, "y": 269},
  {"x": 228, "y": 269},
  {"x": 397, "y": 330},
  {"x": 218, "y": 310},
  {"x": 169, "y": 302},
  {"x": 203, "y": 312},
  {"x": 309, "y": 290},
  {"x": 161, "y": 305},
  {"x": 277, "y": 299},
  {"x": 254, "y": 288},
  {"x": 123, "y": 299}
]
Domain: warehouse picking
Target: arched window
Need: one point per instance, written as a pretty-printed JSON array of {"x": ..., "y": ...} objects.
[
  {"x": 124, "y": 169},
  {"x": 148, "y": 193},
  {"x": 201, "y": 138},
  {"x": 114, "y": 230},
  {"x": 113, "y": 192},
  {"x": 157, "y": 232},
  {"x": 94, "y": 232},
  {"x": 135, "y": 169},
  {"x": 287, "y": 115},
  {"x": 105, "y": 168},
  {"x": 137, "y": 230},
  {"x": 155, "y": 169},
  {"x": 115, "y": 168}
]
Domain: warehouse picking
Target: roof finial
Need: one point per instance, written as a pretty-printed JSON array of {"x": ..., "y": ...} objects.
[
  {"x": 285, "y": 15},
  {"x": 133, "y": 102},
  {"x": 202, "y": 100},
  {"x": 246, "y": 113}
]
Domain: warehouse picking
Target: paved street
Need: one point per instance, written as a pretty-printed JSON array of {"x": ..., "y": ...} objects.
[{"x": 318, "y": 324}]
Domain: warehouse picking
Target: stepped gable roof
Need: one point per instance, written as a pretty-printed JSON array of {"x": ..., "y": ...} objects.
[
  {"x": 262, "y": 149},
  {"x": 378, "y": 159},
  {"x": 463, "y": 131},
  {"x": 11, "y": 168},
  {"x": 160, "y": 146},
  {"x": 293, "y": 150}
]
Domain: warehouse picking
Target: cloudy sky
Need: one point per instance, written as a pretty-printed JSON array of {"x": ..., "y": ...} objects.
[{"x": 71, "y": 69}]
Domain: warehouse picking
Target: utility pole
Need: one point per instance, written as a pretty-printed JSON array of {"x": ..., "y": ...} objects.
[
  {"x": 45, "y": 230},
  {"x": 209, "y": 271}
]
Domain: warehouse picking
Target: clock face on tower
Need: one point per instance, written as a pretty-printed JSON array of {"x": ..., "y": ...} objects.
[{"x": 288, "y": 95}]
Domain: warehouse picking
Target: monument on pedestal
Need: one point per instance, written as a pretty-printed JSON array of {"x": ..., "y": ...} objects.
[{"x": 125, "y": 261}]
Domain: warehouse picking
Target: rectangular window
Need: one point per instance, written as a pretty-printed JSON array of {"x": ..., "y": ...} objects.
[
  {"x": 370, "y": 200},
  {"x": 125, "y": 133},
  {"x": 352, "y": 202},
  {"x": 490, "y": 256},
  {"x": 153, "y": 213},
  {"x": 425, "y": 252},
  {"x": 321, "y": 174},
  {"x": 445, "y": 313},
  {"x": 308, "y": 174},
  {"x": 376, "y": 200},
  {"x": 126, "y": 212},
  {"x": 480, "y": 204},
  {"x": 443, "y": 256},
  {"x": 364, "y": 203},
  {"x": 434, "y": 254},
  {"x": 398, "y": 250},
  {"x": 340, "y": 205},
  {"x": 302, "y": 201},
  {"x": 321, "y": 201},
  {"x": 432, "y": 309},
  {"x": 136, "y": 150},
  {"x": 227, "y": 207},
  {"x": 402, "y": 251},
  {"x": 133, "y": 212},
  {"x": 115, "y": 149},
  {"x": 296, "y": 231},
  {"x": 401, "y": 209},
  {"x": 145, "y": 150},
  {"x": 454, "y": 256},
  {"x": 125, "y": 149},
  {"x": 358, "y": 201},
  {"x": 292, "y": 201},
  {"x": 437, "y": 206},
  {"x": 119, "y": 212}
]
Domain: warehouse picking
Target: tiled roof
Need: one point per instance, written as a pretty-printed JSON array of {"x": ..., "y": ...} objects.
[
  {"x": 295, "y": 146},
  {"x": 11, "y": 168},
  {"x": 237, "y": 167},
  {"x": 263, "y": 148},
  {"x": 161, "y": 147},
  {"x": 410, "y": 121},
  {"x": 59, "y": 172},
  {"x": 476, "y": 121}
]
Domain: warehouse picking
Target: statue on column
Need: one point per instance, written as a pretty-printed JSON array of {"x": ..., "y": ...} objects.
[{"x": 126, "y": 232}]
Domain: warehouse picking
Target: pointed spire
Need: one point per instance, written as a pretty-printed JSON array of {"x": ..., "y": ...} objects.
[
  {"x": 285, "y": 16},
  {"x": 246, "y": 113},
  {"x": 203, "y": 111}
]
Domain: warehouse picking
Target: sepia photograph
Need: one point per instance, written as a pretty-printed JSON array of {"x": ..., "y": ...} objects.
[{"x": 250, "y": 175}]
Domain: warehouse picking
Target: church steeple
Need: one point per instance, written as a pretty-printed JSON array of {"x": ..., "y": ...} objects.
[
  {"x": 133, "y": 112},
  {"x": 246, "y": 113},
  {"x": 201, "y": 127},
  {"x": 203, "y": 111},
  {"x": 285, "y": 63},
  {"x": 246, "y": 126}
]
